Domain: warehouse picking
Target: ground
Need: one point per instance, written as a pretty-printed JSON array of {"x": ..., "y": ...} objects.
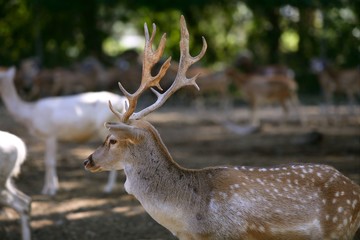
[{"x": 195, "y": 139}]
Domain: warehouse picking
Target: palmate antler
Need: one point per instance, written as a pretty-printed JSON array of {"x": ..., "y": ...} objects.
[{"x": 151, "y": 57}]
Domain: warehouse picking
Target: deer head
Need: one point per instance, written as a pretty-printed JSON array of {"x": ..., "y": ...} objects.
[{"x": 130, "y": 130}]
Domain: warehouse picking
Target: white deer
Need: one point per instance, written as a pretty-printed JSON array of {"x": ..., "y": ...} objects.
[
  {"x": 72, "y": 118},
  {"x": 307, "y": 201},
  {"x": 12, "y": 155}
]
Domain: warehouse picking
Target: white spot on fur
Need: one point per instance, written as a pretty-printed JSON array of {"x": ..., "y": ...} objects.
[
  {"x": 311, "y": 226},
  {"x": 345, "y": 221},
  {"x": 354, "y": 203},
  {"x": 261, "y": 229},
  {"x": 223, "y": 195}
]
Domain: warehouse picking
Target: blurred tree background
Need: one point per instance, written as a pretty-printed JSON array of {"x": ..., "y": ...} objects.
[{"x": 274, "y": 32}]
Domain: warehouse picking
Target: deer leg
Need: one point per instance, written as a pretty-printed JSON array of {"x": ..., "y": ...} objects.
[
  {"x": 297, "y": 107},
  {"x": 200, "y": 103},
  {"x": 227, "y": 103},
  {"x": 111, "y": 181},
  {"x": 24, "y": 202},
  {"x": 328, "y": 95},
  {"x": 10, "y": 186},
  {"x": 51, "y": 180},
  {"x": 25, "y": 227},
  {"x": 285, "y": 119},
  {"x": 351, "y": 104},
  {"x": 21, "y": 206},
  {"x": 254, "y": 120}
]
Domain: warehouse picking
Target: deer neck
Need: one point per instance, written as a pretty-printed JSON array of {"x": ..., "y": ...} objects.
[
  {"x": 149, "y": 165},
  {"x": 158, "y": 182},
  {"x": 18, "y": 108}
]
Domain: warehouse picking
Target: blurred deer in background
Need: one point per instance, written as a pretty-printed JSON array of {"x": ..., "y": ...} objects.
[
  {"x": 334, "y": 80},
  {"x": 210, "y": 83},
  {"x": 245, "y": 62},
  {"x": 38, "y": 82},
  {"x": 74, "y": 118},
  {"x": 126, "y": 69},
  {"x": 260, "y": 89},
  {"x": 12, "y": 155},
  {"x": 287, "y": 202}
]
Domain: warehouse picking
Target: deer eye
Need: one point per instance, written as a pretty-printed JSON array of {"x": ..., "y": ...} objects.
[{"x": 112, "y": 141}]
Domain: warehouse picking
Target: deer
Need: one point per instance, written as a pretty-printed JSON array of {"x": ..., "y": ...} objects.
[
  {"x": 42, "y": 82},
  {"x": 245, "y": 62},
  {"x": 209, "y": 82},
  {"x": 293, "y": 201},
  {"x": 12, "y": 155},
  {"x": 333, "y": 80},
  {"x": 259, "y": 89},
  {"x": 74, "y": 118}
]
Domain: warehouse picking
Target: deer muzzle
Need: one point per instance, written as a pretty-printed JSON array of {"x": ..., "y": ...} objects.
[{"x": 90, "y": 165}]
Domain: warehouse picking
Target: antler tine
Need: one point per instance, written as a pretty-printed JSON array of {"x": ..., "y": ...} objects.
[
  {"x": 115, "y": 112},
  {"x": 186, "y": 60},
  {"x": 150, "y": 58}
]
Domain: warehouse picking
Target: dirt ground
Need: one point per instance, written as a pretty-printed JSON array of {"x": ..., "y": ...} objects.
[{"x": 195, "y": 139}]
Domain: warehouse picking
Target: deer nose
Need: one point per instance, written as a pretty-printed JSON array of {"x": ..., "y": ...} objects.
[{"x": 89, "y": 162}]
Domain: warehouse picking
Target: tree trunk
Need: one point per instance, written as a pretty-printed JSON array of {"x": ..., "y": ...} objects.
[{"x": 273, "y": 35}]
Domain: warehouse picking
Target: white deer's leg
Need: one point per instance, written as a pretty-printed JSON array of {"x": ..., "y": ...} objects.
[
  {"x": 21, "y": 206},
  {"x": 51, "y": 180},
  {"x": 111, "y": 181},
  {"x": 10, "y": 186},
  {"x": 25, "y": 227}
]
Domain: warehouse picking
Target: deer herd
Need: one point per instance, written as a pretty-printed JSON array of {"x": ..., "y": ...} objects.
[{"x": 291, "y": 201}]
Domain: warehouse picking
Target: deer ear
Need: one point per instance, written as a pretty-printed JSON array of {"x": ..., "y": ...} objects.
[{"x": 124, "y": 131}]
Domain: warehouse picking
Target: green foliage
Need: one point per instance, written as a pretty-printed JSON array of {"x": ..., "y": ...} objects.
[{"x": 281, "y": 31}]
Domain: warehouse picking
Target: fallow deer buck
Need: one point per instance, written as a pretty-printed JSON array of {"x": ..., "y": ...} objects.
[{"x": 309, "y": 201}]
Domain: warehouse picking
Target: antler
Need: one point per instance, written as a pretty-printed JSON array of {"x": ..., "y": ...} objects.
[{"x": 148, "y": 81}]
